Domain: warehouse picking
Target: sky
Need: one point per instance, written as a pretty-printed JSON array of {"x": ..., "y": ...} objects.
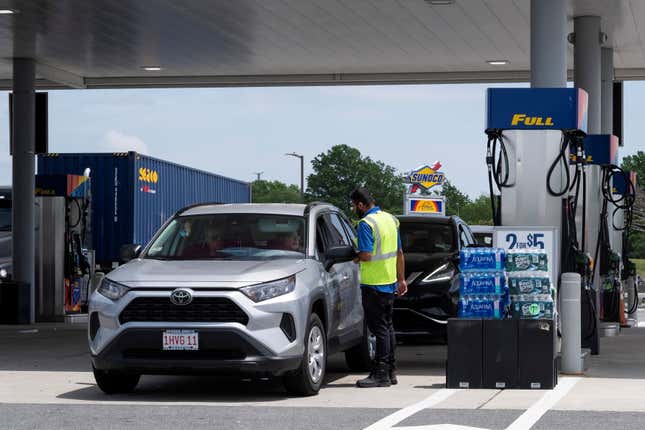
[{"x": 239, "y": 131}]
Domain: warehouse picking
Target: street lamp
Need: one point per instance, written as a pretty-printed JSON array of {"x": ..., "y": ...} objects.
[{"x": 302, "y": 172}]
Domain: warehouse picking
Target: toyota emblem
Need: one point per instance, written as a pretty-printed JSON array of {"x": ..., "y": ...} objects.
[{"x": 181, "y": 297}]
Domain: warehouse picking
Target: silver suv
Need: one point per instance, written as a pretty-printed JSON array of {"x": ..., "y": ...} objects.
[{"x": 262, "y": 288}]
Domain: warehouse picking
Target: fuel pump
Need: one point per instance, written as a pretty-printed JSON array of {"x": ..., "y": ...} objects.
[
  {"x": 64, "y": 260},
  {"x": 619, "y": 190},
  {"x": 531, "y": 135}
]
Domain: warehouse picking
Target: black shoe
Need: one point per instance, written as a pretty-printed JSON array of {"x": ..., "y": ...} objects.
[
  {"x": 378, "y": 378},
  {"x": 393, "y": 380}
]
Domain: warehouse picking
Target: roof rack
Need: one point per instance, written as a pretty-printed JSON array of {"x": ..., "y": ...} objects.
[
  {"x": 312, "y": 205},
  {"x": 195, "y": 205}
]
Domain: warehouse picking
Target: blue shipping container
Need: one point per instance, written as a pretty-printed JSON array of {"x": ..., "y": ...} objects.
[{"x": 133, "y": 195}]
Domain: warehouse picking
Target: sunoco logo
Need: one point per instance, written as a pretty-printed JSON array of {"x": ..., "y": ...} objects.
[{"x": 425, "y": 177}]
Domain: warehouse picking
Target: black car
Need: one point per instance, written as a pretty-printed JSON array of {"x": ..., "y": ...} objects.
[{"x": 431, "y": 246}]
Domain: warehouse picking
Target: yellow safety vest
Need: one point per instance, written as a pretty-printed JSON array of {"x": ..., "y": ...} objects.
[{"x": 381, "y": 269}]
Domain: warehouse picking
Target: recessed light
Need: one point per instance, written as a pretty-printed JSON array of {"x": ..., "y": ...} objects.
[
  {"x": 151, "y": 68},
  {"x": 8, "y": 11},
  {"x": 440, "y": 2},
  {"x": 497, "y": 62}
]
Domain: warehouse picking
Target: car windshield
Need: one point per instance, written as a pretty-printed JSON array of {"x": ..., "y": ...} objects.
[
  {"x": 5, "y": 218},
  {"x": 230, "y": 237},
  {"x": 427, "y": 237}
]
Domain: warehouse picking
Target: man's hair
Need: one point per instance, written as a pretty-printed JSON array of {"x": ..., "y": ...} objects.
[{"x": 362, "y": 195}]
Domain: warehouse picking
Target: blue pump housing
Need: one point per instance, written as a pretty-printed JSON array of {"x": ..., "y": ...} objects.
[
  {"x": 536, "y": 109},
  {"x": 621, "y": 183},
  {"x": 601, "y": 149}
]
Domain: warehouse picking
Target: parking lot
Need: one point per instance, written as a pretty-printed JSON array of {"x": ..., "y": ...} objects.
[{"x": 45, "y": 381}]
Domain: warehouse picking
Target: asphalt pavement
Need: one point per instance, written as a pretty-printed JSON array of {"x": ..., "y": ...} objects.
[{"x": 45, "y": 382}]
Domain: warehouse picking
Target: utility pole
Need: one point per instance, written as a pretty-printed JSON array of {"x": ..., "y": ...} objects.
[
  {"x": 258, "y": 175},
  {"x": 302, "y": 172}
]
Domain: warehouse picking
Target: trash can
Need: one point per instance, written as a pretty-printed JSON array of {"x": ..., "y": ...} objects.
[
  {"x": 464, "y": 367},
  {"x": 14, "y": 302}
]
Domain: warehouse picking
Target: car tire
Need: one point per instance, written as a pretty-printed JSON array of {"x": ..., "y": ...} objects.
[
  {"x": 360, "y": 357},
  {"x": 111, "y": 382},
  {"x": 307, "y": 379}
]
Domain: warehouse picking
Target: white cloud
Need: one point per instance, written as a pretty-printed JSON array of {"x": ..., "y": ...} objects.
[{"x": 115, "y": 141}]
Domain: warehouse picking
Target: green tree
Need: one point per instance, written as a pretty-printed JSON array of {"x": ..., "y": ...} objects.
[
  {"x": 472, "y": 211},
  {"x": 456, "y": 201},
  {"x": 275, "y": 192},
  {"x": 341, "y": 169},
  {"x": 636, "y": 163},
  {"x": 478, "y": 211}
]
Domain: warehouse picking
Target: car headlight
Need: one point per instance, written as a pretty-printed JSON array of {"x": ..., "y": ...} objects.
[
  {"x": 442, "y": 273},
  {"x": 269, "y": 290},
  {"x": 3, "y": 273},
  {"x": 112, "y": 290}
]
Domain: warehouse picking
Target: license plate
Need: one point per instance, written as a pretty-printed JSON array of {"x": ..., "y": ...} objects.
[{"x": 180, "y": 340}]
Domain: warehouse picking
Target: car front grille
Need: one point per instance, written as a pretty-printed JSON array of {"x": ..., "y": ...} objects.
[{"x": 201, "y": 309}]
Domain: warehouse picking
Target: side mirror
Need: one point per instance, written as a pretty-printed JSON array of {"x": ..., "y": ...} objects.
[
  {"x": 129, "y": 252},
  {"x": 454, "y": 259},
  {"x": 339, "y": 254}
]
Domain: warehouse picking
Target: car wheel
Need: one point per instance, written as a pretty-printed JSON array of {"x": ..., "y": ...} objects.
[
  {"x": 307, "y": 379},
  {"x": 111, "y": 382},
  {"x": 361, "y": 357}
]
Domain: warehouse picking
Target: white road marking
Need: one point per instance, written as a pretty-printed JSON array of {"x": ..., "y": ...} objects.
[
  {"x": 539, "y": 408},
  {"x": 391, "y": 420},
  {"x": 440, "y": 427}
]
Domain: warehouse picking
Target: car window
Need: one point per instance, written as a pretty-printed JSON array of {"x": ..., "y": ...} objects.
[
  {"x": 469, "y": 233},
  {"x": 351, "y": 231},
  {"x": 463, "y": 236},
  {"x": 230, "y": 237},
  {"x": 426, "y": 237},
  {"x": 338, "y": 233},
  {"x": 323, "y": 235}
]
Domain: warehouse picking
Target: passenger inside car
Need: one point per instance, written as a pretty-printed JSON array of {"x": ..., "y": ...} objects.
[{"x": 209, "y": 247}]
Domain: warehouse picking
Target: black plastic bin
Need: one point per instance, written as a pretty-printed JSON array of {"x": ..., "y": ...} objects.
[
  {"x": 14, "y": 302},
  {"x": 464, "y": 366},
  {"x": 537, "y": 357},
  {"x": 500, "y": 354}
]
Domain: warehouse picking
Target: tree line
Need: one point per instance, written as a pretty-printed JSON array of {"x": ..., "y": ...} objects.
[{"x": 342, "y": 168}]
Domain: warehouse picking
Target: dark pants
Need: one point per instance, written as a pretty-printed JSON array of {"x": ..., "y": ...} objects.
[{"x": 378, "y": 308}]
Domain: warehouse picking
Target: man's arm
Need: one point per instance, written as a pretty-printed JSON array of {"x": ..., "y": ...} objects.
[
  {"x": 402, "y": 285},
  {"x": 365, "y": 242}
]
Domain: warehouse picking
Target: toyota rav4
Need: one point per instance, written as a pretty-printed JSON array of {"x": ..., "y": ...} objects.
[{"x": 263, "y": 288}]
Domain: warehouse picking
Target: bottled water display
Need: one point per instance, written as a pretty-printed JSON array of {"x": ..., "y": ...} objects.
[
  {"x": 486, "y": 307},
  {"x": 474, "y": 283},
  {"x": 532, "y": 306},
  {"x": 526, "y": 259},
  {"x": 483, "y": 292},
  {"x": 478, "y": 259},
  {"x": 529, "y": 283},
  {"x": 496, "y": 284}
]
